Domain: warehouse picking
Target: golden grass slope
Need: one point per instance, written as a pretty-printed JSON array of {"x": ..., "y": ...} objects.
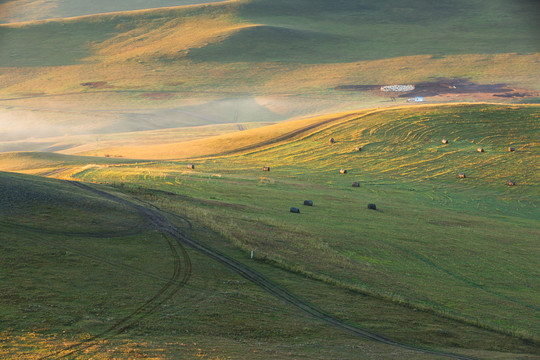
[{"x": 231, "y": 143}]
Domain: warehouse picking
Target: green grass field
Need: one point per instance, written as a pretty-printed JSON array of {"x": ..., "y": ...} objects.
[
  {"x": 124, "y": 101},
  {"x": 456, "y": 258}
]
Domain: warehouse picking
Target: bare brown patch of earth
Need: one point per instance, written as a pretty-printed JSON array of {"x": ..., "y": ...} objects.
[
  {"x": 445, "y": 87},
  {"x": 158, "y": 95}
]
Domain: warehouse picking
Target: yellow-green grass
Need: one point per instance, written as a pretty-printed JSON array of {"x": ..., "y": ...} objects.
[
  {"x": 166, "y": 57},
  {"x": 460, "y": 247},
  {"x": 89, "y": 262}
]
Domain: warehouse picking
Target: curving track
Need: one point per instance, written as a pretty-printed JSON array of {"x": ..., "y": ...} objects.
[{"x": 160, "y": 223}]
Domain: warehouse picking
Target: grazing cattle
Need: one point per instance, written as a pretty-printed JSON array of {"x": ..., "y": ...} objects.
[
  {"x": 462, "y": 175},
  {"x": 356, "y": 184},
  {"x": 191, "y": 166},
  {"x": 342, "y": 171},
  {"x": 358, "y": 148},
  {"x": 511, "y": 183},
  {"x": 510, "y": 149},
  {"x": 444, "y": 141},
  {"x": 331, "y": 141},
  {"x": 308, "y": 202},
  {"x": 295, "y": 210},
  {"x": 266, "y": 168},
  {"x": 480, "y": 149},
  {"x": 372, "y": 206}
]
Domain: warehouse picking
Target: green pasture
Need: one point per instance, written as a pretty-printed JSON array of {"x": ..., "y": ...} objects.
[
  {"x": 464, "y": 248},
  {"x": 74, "y": 265}
]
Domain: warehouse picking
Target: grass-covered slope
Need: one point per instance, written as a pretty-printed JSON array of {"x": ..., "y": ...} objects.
[{"x": 461, "y": 247}]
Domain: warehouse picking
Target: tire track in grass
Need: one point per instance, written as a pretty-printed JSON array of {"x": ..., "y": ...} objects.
[
  {"x": 177, "y": 280},
  {"x": 161, "y": 223}
]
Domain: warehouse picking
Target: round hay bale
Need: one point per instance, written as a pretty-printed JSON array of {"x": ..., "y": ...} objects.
[
  {"x": 480, "y": 149},
  {"x": 342, "y": 171},
  {"x": 462, "y": 175},
  {"x": 331, "y": 141},
  {"x": 372, "y": 206},
  {"x": 266, "y": 168},
  {"x": 358, "y": 148},
  {"x": 191, "y": 166},
  {"x": 308, "y": 202},
  {"x": 356, "y": 184},
  {"x": 511, "y": 183},
  {"x": 510, "y": 149},
  {"x": 295, "y": 210},
  {"x": 444, "y": 141}
]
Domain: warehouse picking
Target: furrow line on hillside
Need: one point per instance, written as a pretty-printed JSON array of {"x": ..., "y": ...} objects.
[
  {"x": 178, "y": 280},
  {"x": 161, "y": 223}
]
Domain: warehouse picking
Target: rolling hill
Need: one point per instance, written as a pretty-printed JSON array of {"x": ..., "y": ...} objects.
[
  {"x": 122, "y": 72},
  {"x": 453, "y": 259}
]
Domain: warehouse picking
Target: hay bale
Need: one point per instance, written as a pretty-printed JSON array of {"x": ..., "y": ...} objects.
[
  {"x": 342, "y": 171},
  {"x": 266, "y": 168},
  {"x": 444, "y": 141},
  {"x": 308, "y": 202},
  {"x": 191, "y": 166},
  {"x": 331, "y": 141},
  {"x": 480, "y": 149},
  {"x": 510, "y": 149},
  {"x": 358, "y": 148},
  {"x": 295, "y": 210},
  {"x": 511, "y": 183},
  {"x": 356, "y": 184},
  {"x": 462, "y": 175},
  {"x": 372, "y": 206}
]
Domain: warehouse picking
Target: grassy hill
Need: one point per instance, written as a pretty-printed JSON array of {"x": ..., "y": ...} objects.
[
  {"x": 444, "y": 263},
  {"x": 126, "y": 68},
  {"x": 477, "y": 260}
]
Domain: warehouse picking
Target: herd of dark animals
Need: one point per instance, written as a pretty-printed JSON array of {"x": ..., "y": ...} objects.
[{"x": 357, "y": 184}]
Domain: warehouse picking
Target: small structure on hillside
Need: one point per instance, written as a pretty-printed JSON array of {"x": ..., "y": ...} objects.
[
  {"x": 191, "y": 166},
  {"x": 308, "y": 202},
  {"x": 342, "y": 171},
  {"x": 511, "y": 183},
  {"x": 355, "y": 184},
  {"x": 266, "y": 168},
  {"x": 397, "y": 88},
  {"x": 480, "y": 149},
  {"x": 372, "y": 206},
  {"x": 462, "y": 175},
  {"x": 295, "y": 210},
  {"x": 358, "y": 148},
  {"x": 331, "y": 141},
  {"x": 510, "y": 149},
  {"x": 444, "y": 141}
]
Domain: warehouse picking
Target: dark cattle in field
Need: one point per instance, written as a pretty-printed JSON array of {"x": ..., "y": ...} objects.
[
  {"x": 444, "y": 141},
  {"x": 358, "y": 148},
  {"x": 372, "y": 206},
  {"x": 331, "y": 141},
  {"x": 462, "y": 175},
  {"x": 511, "y": 149},
  {"x": 295, "y": 210},
  {"x": 342, "y": 171},
  {"x": 480, "y": 149},
  {"x": 266, "y": 168},
  {"x": 511, "y": 183},
  {"x": 355, "y": 184},
  {"x": 308, "y": 202},
  {"x": 191, "y": 166}
]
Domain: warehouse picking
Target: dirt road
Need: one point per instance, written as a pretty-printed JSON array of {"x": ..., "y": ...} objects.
[{"x": 160, "y": 223}]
